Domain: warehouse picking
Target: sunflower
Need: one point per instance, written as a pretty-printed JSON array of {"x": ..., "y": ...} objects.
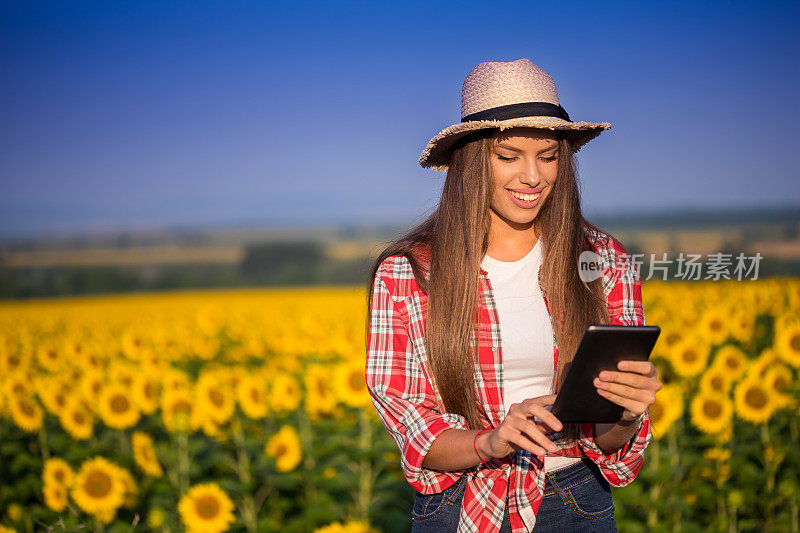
[
  {"x": 710, "y": 413},
  {"x": 716, "y": 380},
  {"x": 320, "y": 398},
  {"x": 787, "y": 344},
  {"x": 116, "y": 407},
  {"x": 778, "y": 378},
  {"x": 742, "y": 325},
  {"x": 667, "y": 341},
  {"x": 214, "y": 398},
  {"x": 717, "y": 454},
  {"x": 18, "y": 384},
  {"x": 251, "y": 391},
  {"x": 285, "y": 447},
  {"x": 350, "y": 384},
  {"x": 98, "y": 487},
  {"x": 178, "y": 410},
  {"x": 76, "y": 419},
  {"x": 53, "y": 393},
  {"x": 129, "y": 487},
  {"x": 156, "y": 519},
  {"x": 92, "y": 384},
  {"x": 284, "y": 393},
  {"x": 51, "y": 357},
  {"x": 26, "y": 413},
  {"x": 352, "y": 526},
  {"x": 714, "y": 325},
  {"x": 665, "y": 410},
  {"x": 55, "y": 496},
  {"x": 145, "y": 455},
  {"x": 11, "y": 360},
  {"x": 207, "y": 508},
  {"x": 732, "y": 360},
  {"x": 754, "y": 400},
  {"x": 689, "y": 357},
  {"x": 765, "y": 360},
  {"x": 146, "y": 391},
  {"x": 57, "y": 471}
]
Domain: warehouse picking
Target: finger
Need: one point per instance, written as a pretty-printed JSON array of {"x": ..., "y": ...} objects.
[
  {"x": 631, "y": 405},
  {"x": 532, "y": 432},
  {"x": 640, "y": 367},
  {"x": 627, "y": 378},
  {"x": 545, "y": 416},
  {"x": 626, "y": 391},
  {"x": 543, "y": 400}
]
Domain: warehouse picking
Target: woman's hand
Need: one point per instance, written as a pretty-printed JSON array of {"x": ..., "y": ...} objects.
[
  {"x": 634, "y": 387},
  {"x": 519, "y": 431}
]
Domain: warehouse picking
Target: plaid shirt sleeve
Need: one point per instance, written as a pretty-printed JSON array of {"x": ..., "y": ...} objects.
[
  {"x": 625, "y": 309},
  {"x": 402, "y": 396}
]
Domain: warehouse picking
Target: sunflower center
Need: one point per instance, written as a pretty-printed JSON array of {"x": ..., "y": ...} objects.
[
  {"x": 712, "y": 409},
  {"x": 79, "y": 418},
  {"x": 755, "y": 397},
  {"x": 716, "y": 325},
  {"x": 26, "y": 408},
  {"x": 732, "y": 363},
  {"x": 281, "y": 449},
  {"x": 355, "y": 380},
  {"x": 795, "y": 343},
  {"x": 59, "y": 475},
  {"x": 254, "y": 395},
  {"x": 98, "y": 484},
  {"x": 149, "y": 390},
  {"x": 207, "y": 507},
  {"x": 182, "y": 406},
  {"x": 717, "y": 382},
  {"x": 119, "y": 404},
  {"x": 217, "y": 397},
  {"x": 690, "y": 356}
]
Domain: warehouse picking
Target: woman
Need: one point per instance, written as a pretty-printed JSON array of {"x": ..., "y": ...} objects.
[{"x": 468, "y": 412}]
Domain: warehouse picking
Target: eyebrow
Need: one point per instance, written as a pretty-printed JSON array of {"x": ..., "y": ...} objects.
[{"x": 501, "y": 145}]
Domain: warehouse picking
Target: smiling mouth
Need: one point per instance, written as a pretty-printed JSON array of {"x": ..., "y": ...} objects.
[{"x": 525, "y": 197}]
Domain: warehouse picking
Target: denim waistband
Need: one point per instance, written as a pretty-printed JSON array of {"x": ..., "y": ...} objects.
[{"x": 574, "y": 473}]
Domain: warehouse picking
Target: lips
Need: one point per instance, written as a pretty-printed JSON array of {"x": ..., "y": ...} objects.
[{"x": 522, "y": 203}]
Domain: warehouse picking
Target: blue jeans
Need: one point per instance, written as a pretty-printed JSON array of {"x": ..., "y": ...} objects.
[{"x": 576, "y": 498}]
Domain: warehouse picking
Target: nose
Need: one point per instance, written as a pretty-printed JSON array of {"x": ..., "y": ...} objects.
[{"x": 530, "y": 174}]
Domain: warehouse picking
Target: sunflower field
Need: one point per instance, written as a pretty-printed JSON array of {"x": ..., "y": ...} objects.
[{"x": 247, "y": 411}]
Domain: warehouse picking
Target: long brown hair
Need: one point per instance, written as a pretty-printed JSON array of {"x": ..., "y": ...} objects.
[{"x": 454, "y": 239}]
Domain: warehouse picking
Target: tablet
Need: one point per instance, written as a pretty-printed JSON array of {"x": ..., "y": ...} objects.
[{"x": 601, "y": 348}]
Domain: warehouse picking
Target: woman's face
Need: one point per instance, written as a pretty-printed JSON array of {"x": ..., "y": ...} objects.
[{"x": 524, "y": 163}]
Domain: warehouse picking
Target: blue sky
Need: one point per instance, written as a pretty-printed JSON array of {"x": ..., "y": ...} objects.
[{"x": 148, "y": 114}]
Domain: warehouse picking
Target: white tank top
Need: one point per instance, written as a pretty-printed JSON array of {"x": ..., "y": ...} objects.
[{"x": 526, "y": 333}]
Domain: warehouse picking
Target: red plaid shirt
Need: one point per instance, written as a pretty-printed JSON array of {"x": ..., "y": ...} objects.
[{"x": 404, "y": 394}]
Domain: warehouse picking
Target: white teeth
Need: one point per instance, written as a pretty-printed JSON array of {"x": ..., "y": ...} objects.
[{"x": 525, "y": 197}]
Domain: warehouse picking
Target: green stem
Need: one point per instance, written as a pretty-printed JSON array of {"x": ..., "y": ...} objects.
[
  {"x": 43, "y": 443},
  {"x": 365, "y": 467},
  {"x": 243, "y": 461},
  {"x": 309, "y": 464},
  {"x": 770, "y": 468},
  {"x": 674, "y": 456},
  {"x": 655, "y": 492},
  {"x": 183, "y": 461}
]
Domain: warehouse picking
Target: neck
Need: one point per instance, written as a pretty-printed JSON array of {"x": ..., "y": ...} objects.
[{"x": 510, "y": 238}]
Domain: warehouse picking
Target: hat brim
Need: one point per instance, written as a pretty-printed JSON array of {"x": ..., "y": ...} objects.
[{"x": 436, "y": 154}]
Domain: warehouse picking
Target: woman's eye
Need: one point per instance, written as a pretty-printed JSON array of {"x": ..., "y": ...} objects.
[
  {"x": 502, "y": 158},
  {"x": 552, "y": 158}
]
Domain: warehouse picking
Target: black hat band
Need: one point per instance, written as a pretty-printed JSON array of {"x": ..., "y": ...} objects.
[{"x": 525, "y": 109}]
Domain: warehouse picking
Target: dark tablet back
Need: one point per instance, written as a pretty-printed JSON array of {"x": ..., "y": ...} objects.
[{"x": 601, "y": 348}]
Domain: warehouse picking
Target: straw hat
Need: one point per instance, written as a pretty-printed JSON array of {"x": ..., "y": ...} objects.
[{"x": 506, "y": 95}]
